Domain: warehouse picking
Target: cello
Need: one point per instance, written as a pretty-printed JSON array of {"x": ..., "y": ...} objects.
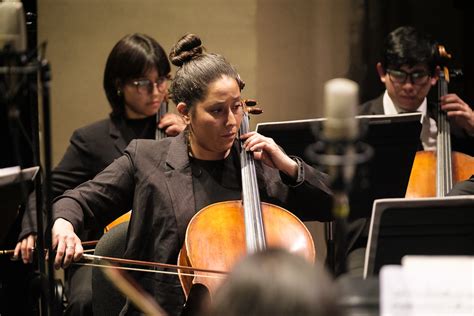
[
  {"x": 221, "y": 233},
  {"x": 434, "y": 172}
]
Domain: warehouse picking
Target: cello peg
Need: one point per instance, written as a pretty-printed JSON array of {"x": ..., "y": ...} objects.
[
  {"x": 255, "y": 110},
  {"x": 250, "y": 102}
]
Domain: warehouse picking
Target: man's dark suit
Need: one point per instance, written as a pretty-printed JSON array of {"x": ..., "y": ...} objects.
[
  {"x": 358, "y": 228},
  {"x": 156, "y": 181}
]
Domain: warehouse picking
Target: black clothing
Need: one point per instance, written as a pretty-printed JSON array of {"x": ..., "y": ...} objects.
[
  {"x": 463, "y": 188},
  {"x": 216, "y": 180},
  {"x": 91, "y": 149},
  {"x": 155, "y": 179},
  {"x": 358, "y": 228}
]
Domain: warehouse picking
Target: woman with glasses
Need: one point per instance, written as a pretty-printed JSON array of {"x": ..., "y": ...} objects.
[
  {"x": 135, "y": 83},
  {"x": 408, "y": 70},
  {"x": 167, "y": 182}
]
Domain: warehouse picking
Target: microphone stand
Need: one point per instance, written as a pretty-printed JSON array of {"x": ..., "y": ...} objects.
[
  {"x": 341, "y": 159},
  {"x": 45, "y": 75},
  {"x": 46, "y": 268}
]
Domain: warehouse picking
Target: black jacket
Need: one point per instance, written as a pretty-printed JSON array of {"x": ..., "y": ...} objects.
[
  {"x": 91, "y": 149},
  {"x": 154, "y": 178}
]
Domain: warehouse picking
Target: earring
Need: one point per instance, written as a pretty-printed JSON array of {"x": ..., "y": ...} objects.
[
  {"x": 188, "y": 132},
  {"x": 119, "y": 92},
  {"x": 186, "y": 119}
]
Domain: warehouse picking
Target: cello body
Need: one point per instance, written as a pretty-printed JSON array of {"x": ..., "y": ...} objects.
[
  {"x": 215, "y": 238},
  {"x": 422, "y": 182}
]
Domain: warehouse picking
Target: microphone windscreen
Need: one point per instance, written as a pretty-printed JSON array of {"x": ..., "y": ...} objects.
[
  {"x": 341, "y": 97},
  {"x": 12, "y": 26}
]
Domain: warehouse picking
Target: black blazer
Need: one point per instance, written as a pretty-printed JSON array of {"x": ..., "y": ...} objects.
[
  {"x": 154, "y": 178},
  {"x": 91, "y": 149}
]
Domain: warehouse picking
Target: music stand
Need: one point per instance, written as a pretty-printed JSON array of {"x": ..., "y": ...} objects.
[
  {"x": 429, "y": 226},
  {"x": 14, "y": 188},
  {"x": 394, "y": 139}
]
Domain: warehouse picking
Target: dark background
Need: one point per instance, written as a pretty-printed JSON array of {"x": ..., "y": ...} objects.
[{"x": 447, "y": 21}]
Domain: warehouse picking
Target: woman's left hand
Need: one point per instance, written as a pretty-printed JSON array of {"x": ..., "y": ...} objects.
[
  {"x": 172, "y": 124},
  {"x": 266, "y": 150}
]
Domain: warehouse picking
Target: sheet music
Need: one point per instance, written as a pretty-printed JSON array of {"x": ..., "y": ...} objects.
[{"x": 428, "y": 286}]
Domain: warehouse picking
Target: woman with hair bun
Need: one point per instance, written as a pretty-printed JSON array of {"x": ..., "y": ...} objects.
[{"x": 167, "y": 182}]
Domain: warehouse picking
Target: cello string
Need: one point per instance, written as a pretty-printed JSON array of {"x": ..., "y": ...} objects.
[
  {"x": 444, "y": 162},
  {"x": 255, "y": 197},
  {"x": 159, "y": 133},
  {"x": 244, "y": 160},
  {"x": 257, "y": 207},
  {"x": 255, "y": 236},
  {"x": 440, "y": 142}
]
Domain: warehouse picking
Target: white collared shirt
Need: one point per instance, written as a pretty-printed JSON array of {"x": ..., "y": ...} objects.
[{"x": 429, "y": 129}]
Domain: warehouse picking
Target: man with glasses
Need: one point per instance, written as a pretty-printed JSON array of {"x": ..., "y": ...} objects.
[{"x": 408, "y": 71}]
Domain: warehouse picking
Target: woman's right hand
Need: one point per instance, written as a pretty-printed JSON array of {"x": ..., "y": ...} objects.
[{"x": 68, "y": 246}]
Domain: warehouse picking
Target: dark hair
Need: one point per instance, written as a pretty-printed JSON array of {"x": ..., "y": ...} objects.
[
  {"x": 406, "y": 46},
  {"x": 132, "y": 57},
  {"x": 276, "y": 282},
  {"x": 197, "y": 69}
]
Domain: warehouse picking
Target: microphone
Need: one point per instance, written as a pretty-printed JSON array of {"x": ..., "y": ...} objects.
[
  {"x": 12, "y": 46},
  {"x": 340, "y": 99},
  {"x": 12, "y": 26},
  {"x": 340, "y": 133},
  {"x": 12, "y": 42},
  {"x": 339, "y": 150}
]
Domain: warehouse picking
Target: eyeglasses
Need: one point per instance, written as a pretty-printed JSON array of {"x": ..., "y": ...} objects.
[
  {"x": 146, "y": 86},
  {"x": 400, "y": 76}
]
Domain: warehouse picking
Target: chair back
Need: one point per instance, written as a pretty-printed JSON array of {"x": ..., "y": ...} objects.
[{"x": 106, "y": 299}]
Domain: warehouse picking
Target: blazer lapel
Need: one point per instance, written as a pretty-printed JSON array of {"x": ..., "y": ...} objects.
[
  {"x": 377, "y": 106},
  {"x": 114, "y": 131},
  {"x": 180, "y": 184}
]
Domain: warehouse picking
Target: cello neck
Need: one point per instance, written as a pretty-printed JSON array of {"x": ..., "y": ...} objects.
[
  {"x": 159, "y": 133},
  {"x": 444, "y": 175},
  {"x": 254, "y": 232}
]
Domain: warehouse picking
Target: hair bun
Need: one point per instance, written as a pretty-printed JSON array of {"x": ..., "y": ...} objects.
[{"x": 187, "y": 47}]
